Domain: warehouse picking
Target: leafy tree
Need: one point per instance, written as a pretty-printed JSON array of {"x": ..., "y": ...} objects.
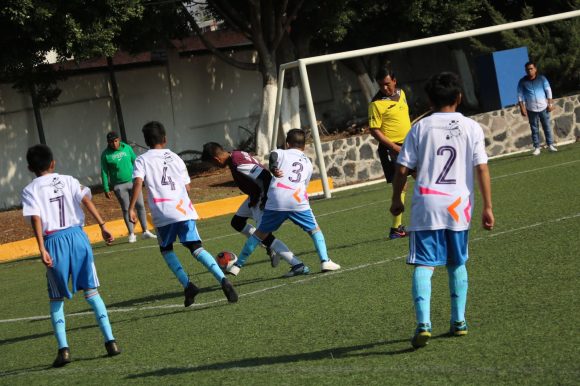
[
  {"x": 29, "y": 29},
  {"x": 266, "y": 24},
  {"x": 554, "y": 46}
]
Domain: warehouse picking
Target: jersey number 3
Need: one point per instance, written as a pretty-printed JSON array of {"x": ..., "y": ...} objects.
[{"x": 298, "y": 171}]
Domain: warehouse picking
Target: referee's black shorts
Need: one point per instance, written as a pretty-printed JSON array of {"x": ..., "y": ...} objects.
[{"x": 388, "y": 159}]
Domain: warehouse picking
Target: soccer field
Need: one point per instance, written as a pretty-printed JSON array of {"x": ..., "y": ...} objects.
[{"x": 351, "y": 326}]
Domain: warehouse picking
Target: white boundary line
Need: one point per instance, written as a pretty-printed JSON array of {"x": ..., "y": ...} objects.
[
  {"x": 301, "y": 281},
  {"x": 166, "y": 306}
]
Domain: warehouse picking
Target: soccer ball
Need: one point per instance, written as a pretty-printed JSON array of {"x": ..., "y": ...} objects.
[{"x": 226, "y": 259}]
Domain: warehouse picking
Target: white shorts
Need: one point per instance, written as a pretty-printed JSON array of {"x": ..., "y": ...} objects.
[{"x": 254, "y": 212}]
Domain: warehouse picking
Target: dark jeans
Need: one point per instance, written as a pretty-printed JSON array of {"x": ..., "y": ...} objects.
[{"x": 544, "y": 118}]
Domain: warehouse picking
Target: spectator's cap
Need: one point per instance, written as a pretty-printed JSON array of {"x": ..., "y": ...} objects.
[{"x": 112, "y": 136}]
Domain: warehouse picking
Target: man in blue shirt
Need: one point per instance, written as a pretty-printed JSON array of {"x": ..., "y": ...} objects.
[{"x": 535, "y": 100}]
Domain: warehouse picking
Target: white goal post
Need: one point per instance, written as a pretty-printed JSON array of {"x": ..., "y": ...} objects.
[{"x": 302, "y": 63}]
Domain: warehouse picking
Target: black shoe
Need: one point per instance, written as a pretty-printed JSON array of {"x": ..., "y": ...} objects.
[
  {"x": 190, "y": 292},
  {"x": 62, "y": 358},
  {"x": 229, "y": 291},
  {"x": 112, "y": 348}
]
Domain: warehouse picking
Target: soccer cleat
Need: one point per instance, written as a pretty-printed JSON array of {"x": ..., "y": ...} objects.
[
  {"x": 112, "y": 348},
  {"x": 536, "y": 151},
  {"x": 229, "y": 291},
  {"x": 422, "y": 335},
  {"x": 234, "y": 270},
  {"x": 329, "y": 265},
  {"x": 552, "y": 148},
  {"x": 458, "y": 328},
  {"x": 190, "y": 292},
  {"x": 298, "y": 269},
  {"x": 398, "y": 233},
  {"x": 62, "y": 357},
  {"x": 148, "y": 235},
  {"x": 274, "y": 257},
  {"x": 132, "y": 238}
]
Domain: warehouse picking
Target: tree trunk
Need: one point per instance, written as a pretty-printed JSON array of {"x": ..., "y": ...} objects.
[
  {"x": 266, "y": 126},
  {"x": 290, "y": 110},
  {"x": 367, "y": 86}
]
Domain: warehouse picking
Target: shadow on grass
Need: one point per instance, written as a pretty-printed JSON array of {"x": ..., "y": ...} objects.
[{"x": 332, "y": 353}]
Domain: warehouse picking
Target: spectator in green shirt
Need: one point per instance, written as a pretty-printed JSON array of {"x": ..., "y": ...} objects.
[{"x": 117, "y": 174}]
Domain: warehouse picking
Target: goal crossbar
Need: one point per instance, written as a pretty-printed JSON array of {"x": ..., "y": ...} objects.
[{"x": 302, "y": 63}]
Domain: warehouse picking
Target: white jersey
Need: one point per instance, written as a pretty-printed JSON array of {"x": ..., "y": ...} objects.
[
  {"x": 165, "y": 175},
  {"x": 288, "y": 193},
  {"x": 443, "y": 148},
  {"x": 56, "y": 199}
]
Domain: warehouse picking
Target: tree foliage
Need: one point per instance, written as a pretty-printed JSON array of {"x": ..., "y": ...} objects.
[
  {"x": 555, "y": 47},
  {"x": 29, "y": 29}
]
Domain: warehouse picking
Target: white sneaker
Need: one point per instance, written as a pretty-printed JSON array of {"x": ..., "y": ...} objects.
[
  {"x": 132, "y": 238},
  {"x": 552, "y": 148},
  {"x": 233, "y": 270},
  {"x": 536, "y": 151},
  {"x": 329, "y": 266},
  {"x": 148, "y": 235}
]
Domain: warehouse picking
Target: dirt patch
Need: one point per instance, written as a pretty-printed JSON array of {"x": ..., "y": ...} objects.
[{"x": 207, "y": 186}]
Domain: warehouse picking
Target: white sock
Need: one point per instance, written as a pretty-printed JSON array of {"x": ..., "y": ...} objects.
[
  {"x": 281, "y": 249},
  {"x": 248, "y": 230}
]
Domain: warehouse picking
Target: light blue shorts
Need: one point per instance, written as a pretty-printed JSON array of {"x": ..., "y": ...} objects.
[
  {"x": 185, "y": 230},
  {"x": 272, "y": 219},
  {"x": 72, "y": 258},
  {"x": 438, "y": 247}
]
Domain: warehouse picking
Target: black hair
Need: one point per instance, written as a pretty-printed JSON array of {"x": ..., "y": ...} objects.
[
  {"x": 383, "y": 72},
  {"x": 296, "y": 138},
  {"x": 154, "y": 133},
  {"x": 39, "y": 158},
  {"x": 443, "y": 89},
  {"x": 530, "y": 63},
  {"x": 210, "y": 150}
]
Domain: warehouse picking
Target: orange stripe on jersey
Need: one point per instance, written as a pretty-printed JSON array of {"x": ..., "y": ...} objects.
[
  {"x": 451, "y": 209},
  {"x": 179, "y": 208},
  {"x": 295, "y": 195}
]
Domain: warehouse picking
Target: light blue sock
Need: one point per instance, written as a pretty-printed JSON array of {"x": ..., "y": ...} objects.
[
  {"x": 58, "y": 322},
  {"x": 251, "y": 243},
  {"x": 320, "y": 245},
  {"x": 458, "y": 291},
  {"x": 422, "y": 294},
  {"x": 209, "y": 262},
  {"x": 94, "y": 299},
  {"x": 175, "y": 267}
]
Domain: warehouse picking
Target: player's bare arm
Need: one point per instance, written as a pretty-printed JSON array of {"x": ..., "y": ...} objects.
[
  {"x": 37, "y": 229},
  {"x": 107, "y": 236},
  {"x": 380, "y": 137},
  {"x": 484, "y": 182},
  {"x": 399, "y": 183},
  {"x": 137, "y": 188}
]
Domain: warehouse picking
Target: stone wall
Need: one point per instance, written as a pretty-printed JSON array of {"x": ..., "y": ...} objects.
[{"x": 355, "y": 159}]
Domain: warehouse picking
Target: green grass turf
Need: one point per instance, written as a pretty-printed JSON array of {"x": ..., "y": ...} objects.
[{"x": 350, "y": 327}]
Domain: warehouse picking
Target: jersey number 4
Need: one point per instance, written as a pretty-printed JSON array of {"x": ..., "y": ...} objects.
[{"x": 166, "y": 180}]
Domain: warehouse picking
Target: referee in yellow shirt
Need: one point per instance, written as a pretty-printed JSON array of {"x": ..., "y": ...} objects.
[{"x": 389, "y": 124}]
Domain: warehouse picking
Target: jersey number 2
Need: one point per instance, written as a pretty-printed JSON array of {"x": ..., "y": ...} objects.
[{"x": 442, "y": 179}]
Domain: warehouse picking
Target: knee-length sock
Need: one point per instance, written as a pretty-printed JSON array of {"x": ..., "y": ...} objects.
[
  {"x": 58, "y": 322},
  {"x": 175, "y": 266},
  {"x": 422, "y": 294},
  {"x": 458, "y": 284},
  {"x": 96, "y": 302}
]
